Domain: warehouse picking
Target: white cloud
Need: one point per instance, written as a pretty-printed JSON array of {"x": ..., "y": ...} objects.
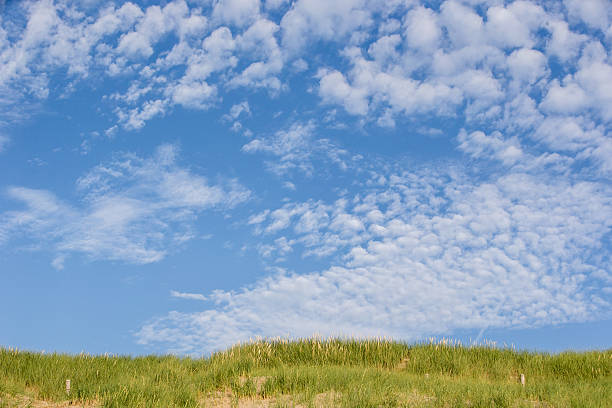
[
  {"x": 527, "y": 65},
  {"x": 188, "y": 296},
  {"x": 238, "y": 12},
  {"x": 438, "y": 255},
  {"x": 478, "y": 145},
  {"x": 194, "y": 94},
  {"x": 566, "y": 133},
  {"x": 465, "y": 27},
  {"x": 295, "y": 149},
  {"x": 594, "y": 13},
  {"x": 259, "y": 40},
  {"x": 596, "y": 79},
  {"x": 137, "y": 117},
  {"x": 567, "y": 99},
  {"x": 422, "y": 29},
  {"x": 564, "y": 43},
  {"x": 133, "y": 209},
  {"x": 505, "y": 28},
  {"x": 238, "y": 109},
  {"x": 334, "y": 88},
  {"x": 320, "y": 19},
  {"x": 384, "y": 49},
  {"x": 42, "y": 22},
  {"x": 479, "y": 85},
  {"x": 58, "y": 262},
  {"x": 151, "y": 27},
  {"x": 135, "y": 44},
  {"x": 602, "y": 154},
  {"x": 589, "y": 88},
  {"x": 387, "y": 88}
]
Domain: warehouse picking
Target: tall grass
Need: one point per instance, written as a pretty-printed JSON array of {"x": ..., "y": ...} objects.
[{"x": 317, "y": 372}]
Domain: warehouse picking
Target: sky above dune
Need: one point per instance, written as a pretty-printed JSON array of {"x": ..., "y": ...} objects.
[{"x": 179, "y": 176}]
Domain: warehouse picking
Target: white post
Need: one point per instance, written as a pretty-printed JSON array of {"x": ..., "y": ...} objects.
[
  {"x": 67, "y": 386},
  {"x": 523, "y": 380}
]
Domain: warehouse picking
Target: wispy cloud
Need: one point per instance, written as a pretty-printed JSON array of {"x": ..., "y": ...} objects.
[
  {"x": 133, "y": 209},
  {"x": 188, "y": 296},
  {"x": 296, "y": 148}
]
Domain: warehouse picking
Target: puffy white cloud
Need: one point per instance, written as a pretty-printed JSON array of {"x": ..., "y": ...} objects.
[
  {"x": 370, "y": 82},
  {"x": 565, "y": 99},
  {"x": 440, "y": 255},
  {"x": 528, "y": 13},
  {"x": 135, "y": 44},
  {"x": 384, "y": 49},
  {"x": 191, "y": 90},
  {"x": 42, "y": 23},
  {"x": 479, "y": 85},
  {"x": 590, "y": 88},
  {"x": 334, "y": 88},
  {"x": 238, "y": 12},
  {"x": 137, "y": 117},
  {"x": 194, "y": 94},
  {"x": 259, "y": 40},
  {"x": 566, "y": 133},
  {"x": 478, "y": 145},
  {"x": 594, "y": 13},
  {"x": 564, "y": 43},
  {"x": 422, "y": 29},
  {"x": 505, "y": 28},
  {"x": 152, "y": 26},
  {"x": 60, "y": 36},
  {"x": 464, "y": 25},
  {"x": 321, "y": 19},
  {"x": 527, "y": 65},
  {"x": 133, "y": 209},
  {"x": 596, "y": 79}
]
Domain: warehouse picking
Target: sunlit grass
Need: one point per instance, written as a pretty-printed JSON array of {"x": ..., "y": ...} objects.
[{"x": 317, "y": 372}]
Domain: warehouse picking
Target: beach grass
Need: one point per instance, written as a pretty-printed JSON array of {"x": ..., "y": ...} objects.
[{"x": 313, "y": 372}]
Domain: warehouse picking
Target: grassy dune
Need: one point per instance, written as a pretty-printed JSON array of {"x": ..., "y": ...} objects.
[{"x": 312, "y": 373}]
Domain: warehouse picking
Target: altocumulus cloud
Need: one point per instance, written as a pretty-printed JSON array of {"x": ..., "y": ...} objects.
[
  {"x": 420, "y": 253},
  {"x": 132, "y": 209}
]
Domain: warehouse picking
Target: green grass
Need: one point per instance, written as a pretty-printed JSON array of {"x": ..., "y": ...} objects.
[{"x": 315, "y": 372}]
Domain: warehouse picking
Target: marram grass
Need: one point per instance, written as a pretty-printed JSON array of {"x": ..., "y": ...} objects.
[{"x": 313, "y": 373}]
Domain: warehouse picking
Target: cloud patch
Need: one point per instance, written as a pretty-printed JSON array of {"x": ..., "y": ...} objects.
[
  {"x": 296, "y": 149},
  {"x": 132, "y": 209},
  {"x": 420, "y": 255}
]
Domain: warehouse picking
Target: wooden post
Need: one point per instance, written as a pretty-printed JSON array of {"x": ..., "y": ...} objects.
[
  {"x": 523, "y": 380},
  {"x": 67, "y": 386}
]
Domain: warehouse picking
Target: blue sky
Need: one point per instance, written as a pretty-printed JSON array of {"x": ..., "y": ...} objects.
[{"x": 183, "y": 175}]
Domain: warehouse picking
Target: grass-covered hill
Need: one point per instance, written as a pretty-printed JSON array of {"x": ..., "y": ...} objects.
[{"x": 312, "y": 373}]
